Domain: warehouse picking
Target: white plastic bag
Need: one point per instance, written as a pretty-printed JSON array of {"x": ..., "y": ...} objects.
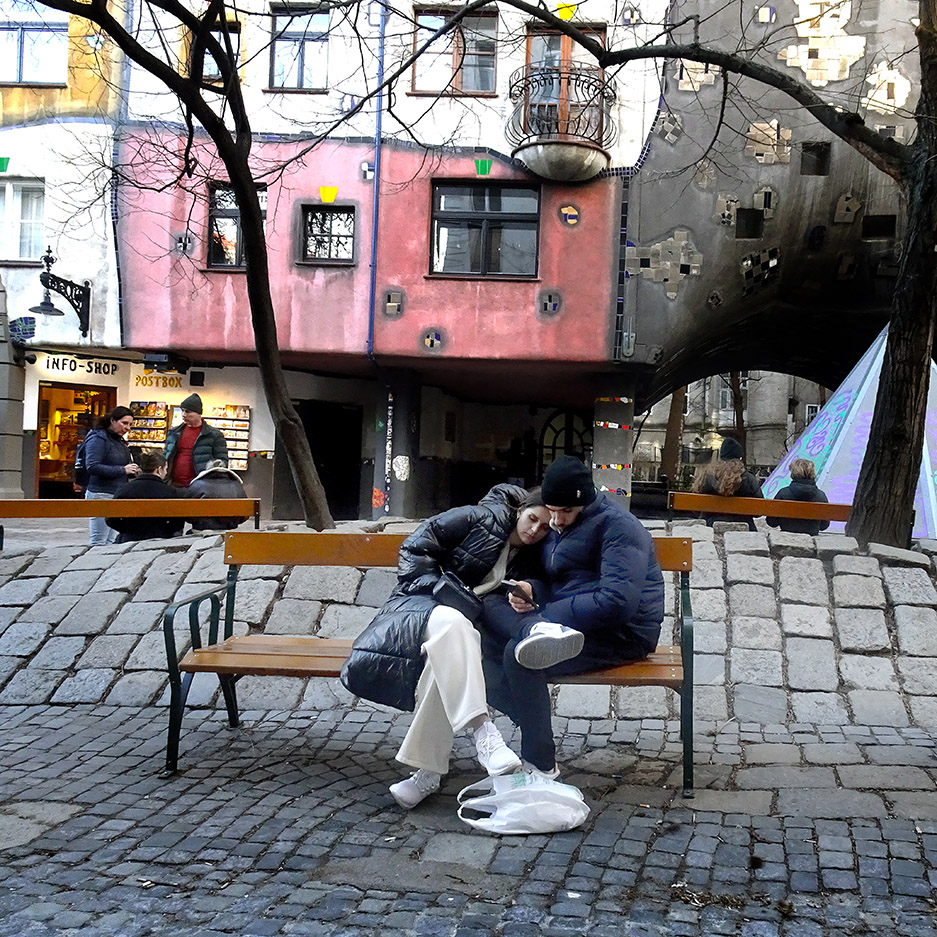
[{"x": 522, "y": 803}]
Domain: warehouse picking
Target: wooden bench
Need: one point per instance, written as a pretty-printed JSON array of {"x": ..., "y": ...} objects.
[
  {"x": 758, "y": 507},
  {"x": 130, "y": 507},
  {"x": 232, "y": 657}
]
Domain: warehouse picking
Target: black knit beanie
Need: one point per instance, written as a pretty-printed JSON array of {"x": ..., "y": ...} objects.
[
  {"x": 731, "y": 449},
  {"x": 567, "y": 483},
  {"x": 193, "y": 402}
]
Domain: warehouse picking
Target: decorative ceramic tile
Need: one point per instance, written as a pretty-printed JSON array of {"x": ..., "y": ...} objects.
[
  {"x": 846, "y": 208},
  {"x": 705, "y": 175},
  {"x": 759, "y": 269},
  {"x": 666, "y": 262},
  {"x": 768, "y": 143},
  {"x": 691, "y": 76},
  {"x": 669, "y": 126},
  {"x": 765, "y": 14},
  {"x": 889, "y": 91},
  {"x": 829, "y": 51},
  {"x": 726, "y": 206},
  {"x": 765, "y": 200}
]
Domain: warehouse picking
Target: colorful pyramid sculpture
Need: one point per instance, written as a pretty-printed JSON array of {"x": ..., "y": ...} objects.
[{"x": 837, "y": 438}]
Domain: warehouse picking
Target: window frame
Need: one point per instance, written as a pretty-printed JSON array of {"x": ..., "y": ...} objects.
[
  {"x": 303, "y": 37},
  {"x": 459, "y": 52},
  {"x": 11, "y": 224},
  {"x": 306, "y": 209},
  {"x": 485, "y": 218},
  {"x": 214, "y": 78},
  {"x": 227, "y": 213},
  {"x": 21, "y": 28},
  {"x": 811, "y": 412}
]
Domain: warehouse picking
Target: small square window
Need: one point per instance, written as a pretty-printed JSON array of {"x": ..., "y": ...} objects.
[
  {"x": 812, "y": 410},
  {"x": 299, "y": 53},
  {"x": 328, "y": 234},
  {"x": 33, "y": 44},
  {"x": 879, "y": 226},
  {"x": 749, "y": 223},
  {"x": 226, "y": 244},
  {"x": 815, "y": 159},
  {"x": 211, "y": 71}
]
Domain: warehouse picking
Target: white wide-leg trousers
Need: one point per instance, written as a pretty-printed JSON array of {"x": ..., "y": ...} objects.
[{"x": 451, "y": 691}]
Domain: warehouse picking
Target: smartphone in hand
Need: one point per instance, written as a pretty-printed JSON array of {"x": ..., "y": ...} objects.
[{"x": 514, "y": 588}]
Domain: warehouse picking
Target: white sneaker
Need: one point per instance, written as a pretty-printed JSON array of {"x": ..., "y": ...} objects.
[
  {"x": 547, "y": 644},
  {"x": 529, "y": 768},
  {"x": 493, "y": 754},
  {"x": 416, "y": 788}
]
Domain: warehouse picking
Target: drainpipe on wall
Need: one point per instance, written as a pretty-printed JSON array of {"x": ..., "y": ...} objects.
[
  {"x": 123, "y": 110},
  {"x": 383, "y": 441}
]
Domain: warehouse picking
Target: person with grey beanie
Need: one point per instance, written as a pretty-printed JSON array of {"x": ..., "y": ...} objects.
[{"x": 192, "y": 444}]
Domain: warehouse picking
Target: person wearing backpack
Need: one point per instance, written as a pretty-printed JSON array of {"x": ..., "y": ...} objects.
[{"x": 108, "y": 462}]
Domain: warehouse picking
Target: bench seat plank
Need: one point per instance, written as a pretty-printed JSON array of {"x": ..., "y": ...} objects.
[
  {"x": 131, "y": 507},
  {"x": 287, "y": 656},
  {"x": 758, "y": 507}
]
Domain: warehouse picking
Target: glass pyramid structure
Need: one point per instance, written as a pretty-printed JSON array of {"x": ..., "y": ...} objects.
[{"x": 837, "y": 438}]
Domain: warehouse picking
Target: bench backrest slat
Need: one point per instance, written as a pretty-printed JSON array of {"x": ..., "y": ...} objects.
[
  {"x": 130, "y": 507},
  {"x": 272, "y": 548},
  {"x": 758, "y": 507}
]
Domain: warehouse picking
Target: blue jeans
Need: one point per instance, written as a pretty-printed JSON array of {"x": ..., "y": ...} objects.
[{"x": 100, "y": 533}]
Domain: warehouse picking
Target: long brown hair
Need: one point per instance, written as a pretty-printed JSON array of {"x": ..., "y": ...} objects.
[{"x": 721, "y": 477}]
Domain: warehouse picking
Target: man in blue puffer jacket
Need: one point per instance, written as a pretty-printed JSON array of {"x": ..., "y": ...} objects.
[{"x": 603, "y": 580}]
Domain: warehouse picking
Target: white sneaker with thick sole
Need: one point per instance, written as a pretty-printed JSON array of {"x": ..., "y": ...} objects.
[
  {"x": 416, "y": 788},
  {"x": 529, "y": 768},
  {"x": 547, "y": 644},
  {"x": 493, "y": 754}
]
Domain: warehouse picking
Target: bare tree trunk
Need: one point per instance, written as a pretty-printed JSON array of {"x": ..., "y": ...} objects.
[
  {"x": 741, "y": 431},
  {"x": 883, "y": 506},
  {"x": 670, "y": 455},
  {"x": 288, "y": 425}
]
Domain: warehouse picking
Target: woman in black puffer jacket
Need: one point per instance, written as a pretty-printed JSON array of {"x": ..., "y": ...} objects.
[{"x": 417, "y": 647}]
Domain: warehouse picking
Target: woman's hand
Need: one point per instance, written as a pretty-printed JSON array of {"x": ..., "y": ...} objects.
[
  {"x": 131, "y": 468},
  {"x": 519, "y": 604}
]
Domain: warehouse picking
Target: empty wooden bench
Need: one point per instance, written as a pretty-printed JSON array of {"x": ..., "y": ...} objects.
[
  {"x": 758, "y": 507},
  {"x": 130, "y": 507},
  {"x": 232, "y": 657}
]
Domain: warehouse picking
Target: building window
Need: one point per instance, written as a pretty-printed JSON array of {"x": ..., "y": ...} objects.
[
  {"x": 21, "y": 220},
  {"x": 225, "y": 243},
  {"x": 725, "y": 391},
  {"x": 328, "y": 234},
  {"x": 461, "y": 61},
  {"x": 485, "y": 230},
  {"x": 299, "y": 55},
  {"x": 33, "y": 45},
  {"x": 812, "y": 410},
  {"x": 211, "y": 71},
  {"x": 815, "y": 159}
]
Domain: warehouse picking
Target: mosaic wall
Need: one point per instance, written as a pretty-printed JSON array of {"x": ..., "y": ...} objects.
[{"x": 666, "y": 262}]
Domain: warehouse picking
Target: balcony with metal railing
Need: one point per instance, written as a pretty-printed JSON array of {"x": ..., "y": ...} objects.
[{"x": 562, "y": 126}]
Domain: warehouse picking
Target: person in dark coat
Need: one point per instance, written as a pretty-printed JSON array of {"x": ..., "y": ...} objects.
[
  {"x": 601, "y": 578},
  {"x": 216, "y": 481},
  {"x": 417, "y": 648},
  {"x": 150, "y": 484},
  {"x": 109, "y": 463},
  {"x": 727, "y": 476},
  {"x": 192, "y": 444},
  {"x": 803, "y": 487}
]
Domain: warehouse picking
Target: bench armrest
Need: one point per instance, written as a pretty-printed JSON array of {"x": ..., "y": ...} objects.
[{"x": 194, "y": 605}]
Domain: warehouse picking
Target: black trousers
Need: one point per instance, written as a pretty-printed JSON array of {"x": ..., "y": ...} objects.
[{"x": 524, "y": 695}]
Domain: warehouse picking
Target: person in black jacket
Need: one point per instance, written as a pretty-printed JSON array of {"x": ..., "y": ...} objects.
[
  {"x": 217, "y": 481},
  {"x": 419, "y": 649},
  {"x": 150, "y": 485},
  {"x": 727, "y": 476},
  {"x": 803, "y": 487},
  {"x": 601, "y": 578}
]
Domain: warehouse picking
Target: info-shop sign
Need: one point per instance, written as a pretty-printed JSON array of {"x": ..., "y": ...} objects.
[{"x": 69, "y": 364}]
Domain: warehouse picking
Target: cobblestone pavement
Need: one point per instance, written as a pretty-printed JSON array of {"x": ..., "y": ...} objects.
[{"x": 285, "y": 826}]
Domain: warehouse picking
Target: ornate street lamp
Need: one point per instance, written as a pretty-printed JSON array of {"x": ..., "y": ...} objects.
[{"x": 78, "y": 296}]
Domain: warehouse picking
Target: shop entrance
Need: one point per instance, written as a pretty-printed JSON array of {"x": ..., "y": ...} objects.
[
  {"x": 334, "y": 433},
  {"x": 66, "y": 413}
]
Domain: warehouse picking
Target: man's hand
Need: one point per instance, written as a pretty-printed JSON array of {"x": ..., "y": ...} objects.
[{"x": 521, "y": 597}]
